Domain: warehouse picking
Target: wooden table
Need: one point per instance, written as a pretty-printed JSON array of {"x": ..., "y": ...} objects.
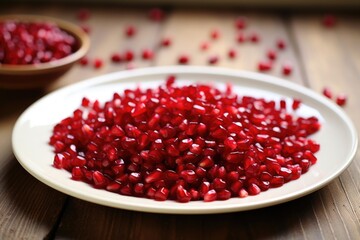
[{"x": 320, "y": 57}]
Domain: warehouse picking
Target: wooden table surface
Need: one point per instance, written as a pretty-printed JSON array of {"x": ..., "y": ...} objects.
[{"x": 320, "y": 57}]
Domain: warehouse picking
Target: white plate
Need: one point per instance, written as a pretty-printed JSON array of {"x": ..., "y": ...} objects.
[{"x": 338, "y": 137}]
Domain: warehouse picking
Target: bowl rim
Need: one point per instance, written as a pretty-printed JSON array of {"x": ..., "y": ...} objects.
[{"x": 71, "y": 28}]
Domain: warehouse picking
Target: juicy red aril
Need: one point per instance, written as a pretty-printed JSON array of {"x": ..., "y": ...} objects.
[
  {"x": 147, "y": 54},
  {"x": 183, "y": 59},
  {"x": 280, "y": 43},
  {"x": 213, "y": 59},
  {"x": 240, "y": 37},
  {"x": 341, "y": 99},
  {"x": 83, "y": 14},
  {"x": 264, "y": 66},
  {"x": 254, "y": 37},
  {"x": 185, "y": 143},
  {"x": 204, "y": 46},
  {"x": 98, "y": 63},
  {"x": 84, "y": 61},
  {"x": 271, "y": 54},
  {"x": 232, "y": 53},
  {"x": 165, "y": 42},
  {"x": 327, "y": 92},
  {"x": 33, "y": 42},
  {"x": 215, "y": 34},
  {"x": 130, "y": 31},
  {"x": 116, "y": 57},
  {"x": 329, "y": 21},
  {"x": 156, "y": 14},
  {"x": 240, "y": 23},
  {"x": 128, "y": 55},
  {"x": 287, "y": 69}
]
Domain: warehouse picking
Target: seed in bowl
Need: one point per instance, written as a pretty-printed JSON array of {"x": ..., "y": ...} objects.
[
  {"x": 33, "y": 42},
  {"x": 185, "y": 143}
]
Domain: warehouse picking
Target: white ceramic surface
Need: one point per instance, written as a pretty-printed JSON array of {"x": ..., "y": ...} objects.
[{"x": 338, "y": 137}]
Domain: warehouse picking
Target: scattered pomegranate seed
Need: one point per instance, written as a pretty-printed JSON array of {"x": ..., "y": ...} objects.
[
  {"x": 185, "y": 143},
  {"x": 232, "y": 53},
  {"x": 329, "y": 21},
  {"x": 147, "y": 54},
  {"x": 254, "y": 37},
  {"x": 271, "y": 54},
  {"x": 327, "y": 92},
  {"x": 264, "y": 66},
  {"x": 213, "y": 59},
  {"x": 215, "y": 34},
  {"x": 98, "y": 63},
  {"x": 341, "y": 99},
  {"x": 156, "y": 14},
  {"x": 165, "y": 42},
  {"x": 240, "y": 37},
  {"x": 18, "y": 45},
  {"x": 240, "y": 23},
  {"x": 183, "y": 59},
  {"x": 130, "y": 31},
  {"x": 204, "y": 46},
  {"x": 84, "y": 61},
  {"x": 128, "y": 55},
  {"x": 280, "y": 43},
  {"x": 116, "y": 57},
  {"x": 83, "y": 14},
  {"x": 287, "y": 69}
]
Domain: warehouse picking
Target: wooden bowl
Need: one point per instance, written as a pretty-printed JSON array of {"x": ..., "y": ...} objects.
[{"x": 42, "y": 74}]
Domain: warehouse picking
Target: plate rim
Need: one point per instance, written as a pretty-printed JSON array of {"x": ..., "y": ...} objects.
[{"x": 118, "y": 76}]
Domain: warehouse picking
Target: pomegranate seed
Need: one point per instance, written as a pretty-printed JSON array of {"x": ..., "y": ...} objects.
[
  {"x": 254, "y": 37},
  {"x": 116, "y": 57},
  {"x": 128, "y": 55},
  {"x": 213, "y": 60},
  {"x": 329, "y": 21},
  {"x": 84, "y": 61},
  {"x": 286, "y": 69},
  {"x": 165, "y": 42},
  {"x": 215, "y": 34},
  {"x": 240, "y": 23},
  {"x": 210, "y": 196},
  {"x": 327, "y": 92},
  {"x": 190, "y": 142},
  {"x": 98, "y": 63},
  {"x": 130, "y": 31},
  {"x": 147, "y": 54},
  {"x": 280, "y": 43},
  {"x": 271, "y": 54},
  {"x": 204, "y": 46},
  {"x": 264, "y": 66},
  {"x": 341, "y": 99},
  {"x": 156, "y": 14},
  {"x": 83, "y": 14},
  {"x": 232, "y": 53},
  {"x": 240, "y": 37},
  {"x": 183, "y": 59},
  {"x": 161, "y": 194}
]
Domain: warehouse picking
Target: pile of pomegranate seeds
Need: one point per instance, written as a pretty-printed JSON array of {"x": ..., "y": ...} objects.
[
  {"x": 193, "y": 142},
  {"x": 33, "y": 42}
]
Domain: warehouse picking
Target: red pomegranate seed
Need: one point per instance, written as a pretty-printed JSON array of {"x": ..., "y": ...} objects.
[
  {"x": 128, "y": 55},
  {"x": 156, "y": 14},
  {"x": 204, "y": 46},
  {"x": 329, "y": 21},
  {"x": 147, "y": 54},
  {"x": 161, "y": 194},
  {"x": 183, "y": 59},
  {"x": 98, "y": 63},
  {"x": 240, "y": 37},
  {"x": 287, "y": 69},
  {"x": 341, "y": 99},
  {"x": 213, "y": 59},
  {"x": 130, "y": 31},
  {"x": 84, "y": 61},
  {"x": 254, "y": 37},
  {"x": 83, "y": 14},
  {"x": 280, "y": 43},
  {"x": 165, "y": 42},
  {"x": 240, "y": 23},
  {"x": 210, "y": 196},
  {"x": 116, "y": 57},
  {"x": 215, "y": 34},
  {"x": 264, "y": 66},
  {"x": 188, "y": 142},
  {"x": 271, "y": 54},
  {"x": 327, "y": 92},
  {"x": 232, "y": 53}
]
